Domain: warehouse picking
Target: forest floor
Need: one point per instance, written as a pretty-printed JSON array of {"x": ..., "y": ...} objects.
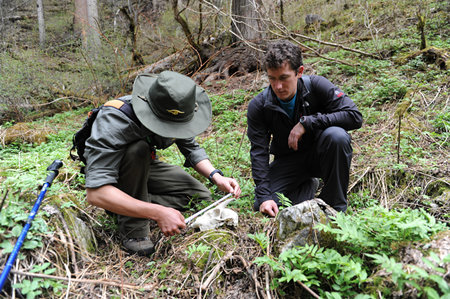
[{"x": 400, "y": 163}]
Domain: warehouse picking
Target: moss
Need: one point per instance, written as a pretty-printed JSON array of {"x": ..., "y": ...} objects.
[
  {"x": 81, "y": 232},
  {"x": 25, "y": 132}
]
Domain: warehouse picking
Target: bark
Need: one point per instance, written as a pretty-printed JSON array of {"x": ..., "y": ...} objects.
[
  {"x": 245, "y": 23},
  {"x": 85, "y": 23},
  {"x": 131, "y": 16},
  {"x": 421, "y": 27},
  {"x": 219, "y": 19},
  {"x": 40, "y": 13},
  {"x": 2, "y": 22},
  {"x": 93, "y": 31},
  {"x": 281, "y": 12},
  {"x": 80, "y": 19},
  {"x": 187, "y": 31}
]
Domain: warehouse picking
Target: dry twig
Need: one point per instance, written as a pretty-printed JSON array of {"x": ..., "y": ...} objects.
[
  {"x": 92, "y": 281},
  {"x": 216, "y": 269}
]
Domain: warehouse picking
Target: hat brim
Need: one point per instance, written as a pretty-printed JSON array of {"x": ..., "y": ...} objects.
[{"x": 169, "y": 129}]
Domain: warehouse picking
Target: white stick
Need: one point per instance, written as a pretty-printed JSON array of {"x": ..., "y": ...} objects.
[{"x": 189, "y": 219}]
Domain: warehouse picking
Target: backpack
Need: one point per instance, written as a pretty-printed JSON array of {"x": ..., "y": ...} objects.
[{"x": 80, "y": 137}]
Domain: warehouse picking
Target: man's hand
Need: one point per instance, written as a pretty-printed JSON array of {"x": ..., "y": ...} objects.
[
  {"x": 170, "y": 221},
  {"x": 227, "y": 184},
  {"x": 295, "y": 136},
  {"x": 269, "y": 207}
]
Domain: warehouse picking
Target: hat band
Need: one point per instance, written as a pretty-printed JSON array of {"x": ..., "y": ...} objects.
[{"x": 174, "y": 115}]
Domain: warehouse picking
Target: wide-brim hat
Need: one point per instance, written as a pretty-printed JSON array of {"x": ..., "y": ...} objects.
[{"x": 171, "y": 105}]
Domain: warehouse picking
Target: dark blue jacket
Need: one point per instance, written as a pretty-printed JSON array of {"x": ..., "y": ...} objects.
[{"x": 269, "y": 126}]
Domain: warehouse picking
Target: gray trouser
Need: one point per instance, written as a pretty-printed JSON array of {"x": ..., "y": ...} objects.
[
  {"x": 156, "y": 182},
  {"x": 329, "y": 159}
]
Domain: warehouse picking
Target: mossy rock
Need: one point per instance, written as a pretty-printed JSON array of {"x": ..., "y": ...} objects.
[
  {"x": 296, "y": 225},
  {"x": 24, "y": 132},
  {"x": 80, "y": 231}
]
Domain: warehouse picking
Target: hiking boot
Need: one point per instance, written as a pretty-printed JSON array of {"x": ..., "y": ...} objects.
[
  {"x": 141, "y": 246},
  {"x": 314, "y": 186}
]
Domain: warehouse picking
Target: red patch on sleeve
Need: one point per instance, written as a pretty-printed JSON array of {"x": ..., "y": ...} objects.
[{"x": 340, "y": 94}]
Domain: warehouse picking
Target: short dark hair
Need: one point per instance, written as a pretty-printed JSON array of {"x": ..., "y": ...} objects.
[{"x": 283, "y": 50}]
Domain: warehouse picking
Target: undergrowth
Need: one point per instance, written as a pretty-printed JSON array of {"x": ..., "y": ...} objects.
[
  {"x": 399, "y": 175},
  {"x": 368, "y": 250}
]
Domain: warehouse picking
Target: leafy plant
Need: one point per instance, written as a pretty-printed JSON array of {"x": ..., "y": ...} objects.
[
  {"x": 285, "y": 202},
  {"x": 377, "y": 227},
  {"x": 262, "y": 239},
  {"x": 200, "y": 248},
  {"x": 34, "y": 287},
  {"x": 414, "y": 275},
  {"x": 313, "y": 265},
  {"x": 343, "y": 272}
]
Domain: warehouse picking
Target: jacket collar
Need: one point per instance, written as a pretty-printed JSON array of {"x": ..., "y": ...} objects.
[{"x": 270, "y": 101}]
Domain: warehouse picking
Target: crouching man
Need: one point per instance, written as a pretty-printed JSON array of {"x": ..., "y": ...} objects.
[
  {"x": 303, "y": 122},
  {"x": 123, "y": 174}
]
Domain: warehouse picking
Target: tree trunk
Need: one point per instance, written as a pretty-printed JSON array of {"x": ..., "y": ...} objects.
[
  {"x": 245, "y": 23},
  {"x": 85, "y": 23},
  {"x": 2, "y": 24},
  {"x": 80, "y": 19},
  {"x": 93, "y": 31},
  {"x": 219, "y": 19},
  {"x": 40, "y": 13},
  {"x": 281, "y": 12},
  {"x": 187, "y": 31},
  {"x": 132, "y": 18}
]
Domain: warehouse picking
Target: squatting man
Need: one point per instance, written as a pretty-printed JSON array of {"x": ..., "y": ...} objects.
[
  {"x": 305, "y": 127},
  {"x": 123, "y": 174}
]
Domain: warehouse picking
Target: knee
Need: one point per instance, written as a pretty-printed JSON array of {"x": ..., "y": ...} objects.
[{"x": 335, "y": 137}]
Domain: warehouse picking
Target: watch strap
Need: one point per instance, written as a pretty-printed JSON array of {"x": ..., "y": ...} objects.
[{"x": 213, "y": 173}]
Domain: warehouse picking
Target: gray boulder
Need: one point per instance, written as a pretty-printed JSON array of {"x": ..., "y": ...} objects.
[
  {"x": 296, "y": 224},
  {"x": 313, "y": 19}
]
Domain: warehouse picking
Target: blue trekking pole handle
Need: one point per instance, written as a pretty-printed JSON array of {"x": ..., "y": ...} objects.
[{"x": 53, "y": 168}]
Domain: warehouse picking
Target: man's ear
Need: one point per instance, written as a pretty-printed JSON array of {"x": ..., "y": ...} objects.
[{"x": 300, "y": 71}]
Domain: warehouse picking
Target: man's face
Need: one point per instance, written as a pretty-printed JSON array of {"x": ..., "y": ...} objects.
[{"x": 283, "y": 81}]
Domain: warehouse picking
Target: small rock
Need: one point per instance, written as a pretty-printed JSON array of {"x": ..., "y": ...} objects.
[{"x": 296, "y": 224}]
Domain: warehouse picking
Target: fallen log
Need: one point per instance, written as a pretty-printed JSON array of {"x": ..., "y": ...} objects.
[{"x": 431, "y": 54}]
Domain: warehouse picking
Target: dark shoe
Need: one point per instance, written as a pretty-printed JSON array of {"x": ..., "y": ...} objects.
[
  {"x": 315, "y": 186},
  {"x": 141, "y": 246}
]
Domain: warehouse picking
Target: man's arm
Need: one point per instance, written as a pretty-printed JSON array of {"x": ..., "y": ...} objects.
[
  {"x": 259, "y": 137},
  {"x": 336, "y": 109},
  {"x": 108, "y": 197},
  {"x": 332, "y": 107},
  {"x": 197, "y": 158},
  {"x": 225, "y": 184}
]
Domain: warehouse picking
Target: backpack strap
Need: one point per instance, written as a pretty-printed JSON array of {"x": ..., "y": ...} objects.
[
  {"x": 307, "y": 81},
  {"x": 80, "y": 137},
  {"x": 124, "y": 107}
]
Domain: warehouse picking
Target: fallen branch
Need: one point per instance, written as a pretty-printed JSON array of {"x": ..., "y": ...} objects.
[
  {"x": 359, "y": 179},
  {"x": 216, "y": 269},
  {"x": 101, "y": 281},
  {"x": 164, "y": 64},
  {"x": 308, "y": 289},
  {"x": 336, "y": 45},
  {"x": 252, "y": 274}
]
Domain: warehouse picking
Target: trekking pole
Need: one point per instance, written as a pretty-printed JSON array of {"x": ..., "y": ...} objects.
[
  {"x": 48, "y": 181},
  {"x": 189, "y": 219}
]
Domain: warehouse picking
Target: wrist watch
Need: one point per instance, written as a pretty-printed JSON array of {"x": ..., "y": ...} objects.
[
  {"x": 213, "y": 173},
  {"x": 302, "y": 120}
]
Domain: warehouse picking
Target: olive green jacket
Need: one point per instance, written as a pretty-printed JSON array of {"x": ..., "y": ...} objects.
[{"x": 111, "y": 134}]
